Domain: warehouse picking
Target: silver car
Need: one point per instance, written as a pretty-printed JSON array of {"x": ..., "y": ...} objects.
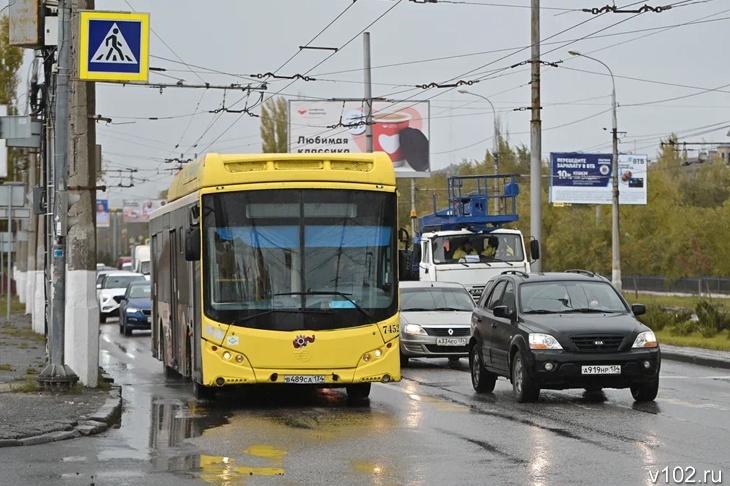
[{"x": 435, "y": 318}]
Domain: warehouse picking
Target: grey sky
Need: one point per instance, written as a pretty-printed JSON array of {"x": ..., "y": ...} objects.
[{"x": 257, "y": 36}]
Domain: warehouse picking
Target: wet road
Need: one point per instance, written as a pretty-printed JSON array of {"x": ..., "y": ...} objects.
[{"x": 431, "y": 428}]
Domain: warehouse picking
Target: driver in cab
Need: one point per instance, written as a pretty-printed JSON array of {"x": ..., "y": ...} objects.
[{"x": 465, "y": 249}]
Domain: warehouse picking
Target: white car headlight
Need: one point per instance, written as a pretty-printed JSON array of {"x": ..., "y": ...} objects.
[
  {"x": 414, "y": 329},
  {"x": 132, "y": 310},
  {"x": 646, "y": 339},
  {"x": 543, "y": 341}
]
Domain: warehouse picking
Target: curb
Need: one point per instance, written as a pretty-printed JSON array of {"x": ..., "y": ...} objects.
[
  {"x": 698, "y": 360},
  {"x": 109, "y": 414}
]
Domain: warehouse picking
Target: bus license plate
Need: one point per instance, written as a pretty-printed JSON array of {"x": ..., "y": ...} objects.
[
  {"x": 601, "y": 370},
  {"x": 304, "y": 379},
  {"x": 451, "y": 341}
]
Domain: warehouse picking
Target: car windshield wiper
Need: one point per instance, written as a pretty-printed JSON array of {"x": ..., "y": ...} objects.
[
  {"x": 415, "y": 309},
  {"x": 339, "y": 294},
  {"x": 540, "y": 311},
  {"x": 451, "y": 309},
  {"x": 587, "y": 310}
]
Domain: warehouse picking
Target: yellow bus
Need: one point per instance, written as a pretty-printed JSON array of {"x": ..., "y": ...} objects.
[{"x": 278, "y": 268}]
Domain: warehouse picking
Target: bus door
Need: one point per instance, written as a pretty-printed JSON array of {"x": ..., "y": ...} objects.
[{"x": 175, "y": 324}]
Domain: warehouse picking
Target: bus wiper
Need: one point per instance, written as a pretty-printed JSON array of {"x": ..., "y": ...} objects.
[
  {"x": 248, "y": 318},
  {"x": 339, "y": 294}
]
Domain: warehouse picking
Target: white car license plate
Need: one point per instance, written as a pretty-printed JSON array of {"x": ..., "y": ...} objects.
[
  {"x": 451, "y": 341},
  {"x": 304, "y": 379},
  {"x": 601, "y": 370}
]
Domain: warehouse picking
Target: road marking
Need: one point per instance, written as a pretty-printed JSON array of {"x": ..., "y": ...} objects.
[{"x": 718, "y": 377}]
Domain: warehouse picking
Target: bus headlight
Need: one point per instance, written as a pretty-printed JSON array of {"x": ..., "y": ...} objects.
[
  {"x": 226, "y": 355},
  {"x": 378, "y": 353}
]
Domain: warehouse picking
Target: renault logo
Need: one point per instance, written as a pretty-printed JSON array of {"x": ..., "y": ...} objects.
[{"x": 451, "y": 332}]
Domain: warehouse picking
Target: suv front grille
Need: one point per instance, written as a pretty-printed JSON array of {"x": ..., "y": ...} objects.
[
  {"x": 444, "y": 331},
  {"x": 597, "y": 344}
]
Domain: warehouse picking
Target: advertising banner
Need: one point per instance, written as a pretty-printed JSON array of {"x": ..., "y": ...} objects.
[
  {"x": 577, "y": 178},
  {"x": 400, "y": 129},
  {"x": 139, "y": 211},
  {"x": 102, "y": 213}
]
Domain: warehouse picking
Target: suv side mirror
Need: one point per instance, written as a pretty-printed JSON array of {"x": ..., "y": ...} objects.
[
  {"x": 192, "y": 244},
  {"x": 502, "y": 311},
  {"x": 638, "y": 309}
]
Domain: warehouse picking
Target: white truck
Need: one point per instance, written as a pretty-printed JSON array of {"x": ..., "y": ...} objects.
[
  {"x": 141, "y": 260},
  {"x": 438, "y": 248}
]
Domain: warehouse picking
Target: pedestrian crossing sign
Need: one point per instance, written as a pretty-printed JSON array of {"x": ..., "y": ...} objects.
[{"x": 114, "y": 46}]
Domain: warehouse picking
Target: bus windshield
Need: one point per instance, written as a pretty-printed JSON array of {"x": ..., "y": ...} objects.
[{"x": 299, "y": 259}]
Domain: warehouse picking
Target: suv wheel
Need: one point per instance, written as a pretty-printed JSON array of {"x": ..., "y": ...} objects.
[
  {"x": 523, "y": 387},
  {"x": 645, "y": 392},
  {"x": 482, "y": 380}
]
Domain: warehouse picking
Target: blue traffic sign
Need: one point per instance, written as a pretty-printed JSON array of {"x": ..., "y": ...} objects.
[{"x": 114, "y": 46}]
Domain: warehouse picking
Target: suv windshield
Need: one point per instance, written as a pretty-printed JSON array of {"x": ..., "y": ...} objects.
[
  {"x": 120, "y": 281},
  {"x": 570, "y": 296}
]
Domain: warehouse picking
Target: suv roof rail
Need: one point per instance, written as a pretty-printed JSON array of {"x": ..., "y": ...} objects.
[
  {"x": 582, "y": 272},
  {"x": 515, "y": 272}
]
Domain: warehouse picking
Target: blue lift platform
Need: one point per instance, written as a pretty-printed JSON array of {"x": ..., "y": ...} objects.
[{"x": 472, "y": 204}]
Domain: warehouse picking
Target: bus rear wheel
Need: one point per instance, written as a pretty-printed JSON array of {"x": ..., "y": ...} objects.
[
  {"x": 361, "y": 391},
  {"x": 202, "y": 392}
]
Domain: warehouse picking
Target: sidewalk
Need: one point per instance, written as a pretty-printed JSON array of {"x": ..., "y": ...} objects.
[{"x": 29, "y": 415}]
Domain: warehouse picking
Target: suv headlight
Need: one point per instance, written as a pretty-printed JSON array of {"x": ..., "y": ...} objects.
[
  {"x": 543, "y": 341},
  {"x": 646, "y": 339},
  {"x": 414, "y": 329}
]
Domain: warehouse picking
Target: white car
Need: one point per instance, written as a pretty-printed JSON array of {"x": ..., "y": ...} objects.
[
  {"x": 110, "y": 285},
  {"x": 435, "y": 320}
]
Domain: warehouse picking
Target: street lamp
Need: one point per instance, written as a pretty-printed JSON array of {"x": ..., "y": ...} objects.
[
  {"x": 496, "y": 146},
  {"x": 616, "y": 252}
]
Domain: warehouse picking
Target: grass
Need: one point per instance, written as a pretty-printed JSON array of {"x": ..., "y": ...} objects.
[
  {"x": 720, "y": 342},
  {"x": 7, "y": 367},
  {"x": 672, "y": 300},
  {"x": 16, "y": 308}
]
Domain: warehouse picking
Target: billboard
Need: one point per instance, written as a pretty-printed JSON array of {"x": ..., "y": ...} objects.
[
  {"x": 577, "y": 178},
  {"x": 139, "y": 211},
  {"x": 102, "y": 213},
  {"x": 400, "y": 129}
]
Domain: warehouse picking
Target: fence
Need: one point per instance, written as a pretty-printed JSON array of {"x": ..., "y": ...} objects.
[{"x": 684, "y": 285}]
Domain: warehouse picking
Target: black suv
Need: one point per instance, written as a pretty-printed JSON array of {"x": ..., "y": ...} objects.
[{"x": 560, "y": 330}]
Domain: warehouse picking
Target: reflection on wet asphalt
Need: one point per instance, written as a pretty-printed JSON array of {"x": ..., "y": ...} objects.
[{"x": 431, "y": 428}]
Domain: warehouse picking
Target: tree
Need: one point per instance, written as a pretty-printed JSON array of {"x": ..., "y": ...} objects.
[
  {"x": 11, "y": 58},
  {"x": 274, "y": 121}
]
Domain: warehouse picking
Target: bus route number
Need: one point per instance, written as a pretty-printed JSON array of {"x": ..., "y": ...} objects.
[{"x": 391, "y": 329}]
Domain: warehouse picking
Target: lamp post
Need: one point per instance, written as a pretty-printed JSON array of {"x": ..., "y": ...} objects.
[
  {"x": 496, "y": 146},
  {"x": 616, "y": 252}
]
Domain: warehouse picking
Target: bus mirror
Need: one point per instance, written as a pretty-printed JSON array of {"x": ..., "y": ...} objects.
[
  {"x": 192, "y": 244},
  {"x": 535, "y": 250},
  {"x": 194, "y": 215},
  {"x": 403, "y": 235}
]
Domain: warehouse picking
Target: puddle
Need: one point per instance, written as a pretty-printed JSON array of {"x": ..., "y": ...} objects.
[{"x": 267, "y": 452}]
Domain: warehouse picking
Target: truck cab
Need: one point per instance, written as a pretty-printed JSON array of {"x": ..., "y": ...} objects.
[{"x": 479, "y": 207}]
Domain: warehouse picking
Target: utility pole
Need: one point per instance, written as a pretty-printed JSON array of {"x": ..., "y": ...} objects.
[
  {"x": 536, "y": 136},
  {"x": 82, "y": 308},
  {"x": 368, "y": 94},
  {"x": 58, "y": 373},
  {"x": 30, "y": 281}
]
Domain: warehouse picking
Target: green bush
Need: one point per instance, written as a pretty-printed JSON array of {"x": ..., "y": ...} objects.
[
  {"x": 683, "y": 328},
  {"x": 711, "y": 320},
  {"x": 656, "y": 317}
]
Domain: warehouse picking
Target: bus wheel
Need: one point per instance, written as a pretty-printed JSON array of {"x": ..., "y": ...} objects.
[
  {"x": 361, "y": 391},
  {"x": 203, "y": 392}
]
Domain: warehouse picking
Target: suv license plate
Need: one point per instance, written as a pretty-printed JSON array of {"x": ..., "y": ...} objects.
[
  {"x": 304, "y": 379},
  {"x": 451, "y": 341},
  {"x": 601, "y": 370}
]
